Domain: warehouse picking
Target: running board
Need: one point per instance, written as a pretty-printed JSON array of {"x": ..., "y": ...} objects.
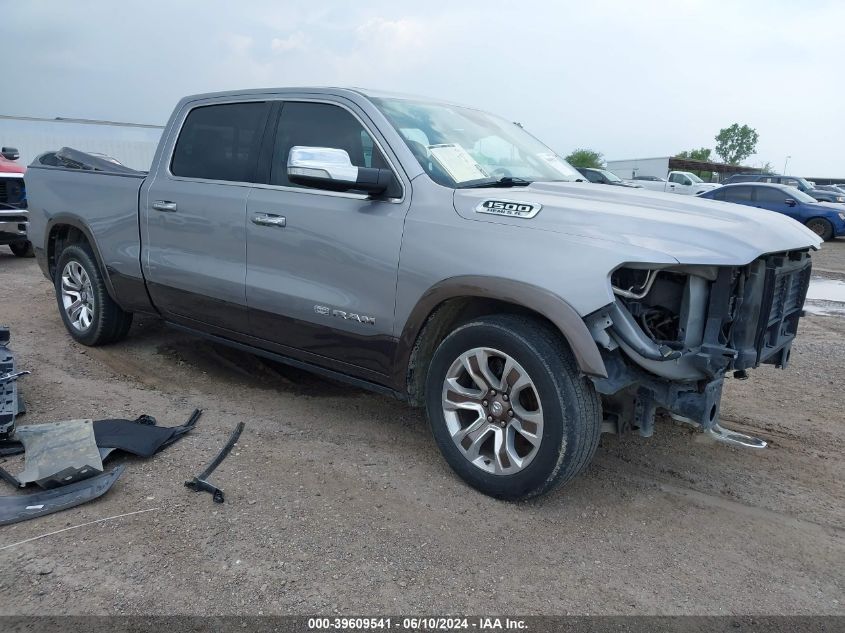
[{"x": 734, "y": 438}]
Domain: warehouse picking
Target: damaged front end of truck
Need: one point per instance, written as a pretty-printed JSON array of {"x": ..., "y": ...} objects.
[{"x": 673, "y": 333}]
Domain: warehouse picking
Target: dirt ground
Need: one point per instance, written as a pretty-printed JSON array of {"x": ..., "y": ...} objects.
[{"x": 338, "y": 501}]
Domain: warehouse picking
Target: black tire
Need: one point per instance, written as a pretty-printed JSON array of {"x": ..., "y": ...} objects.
[
  {"x": 821, "y": 227},
  {"x": 109, "y": 323},
  {"x": 571, "y": 407},
  {"x": 22, "y": 249}
]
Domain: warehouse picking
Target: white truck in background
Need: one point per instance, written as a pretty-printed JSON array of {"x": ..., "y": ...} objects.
[
  {"x": 683, "y": 182},
  {"x": 654, "y": 174}
]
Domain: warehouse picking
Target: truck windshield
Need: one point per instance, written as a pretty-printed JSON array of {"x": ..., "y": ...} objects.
[
  {"x": 693, "y": 177},
  {"x": 462, "y": 147},
  {"x": 611, "y": 176}
]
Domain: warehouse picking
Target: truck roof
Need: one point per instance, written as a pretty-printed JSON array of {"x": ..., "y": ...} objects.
[{"x": 333, "y": 90}]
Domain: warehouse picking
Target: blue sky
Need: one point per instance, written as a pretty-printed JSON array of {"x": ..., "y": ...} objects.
[{"x": 630, "y": 79}]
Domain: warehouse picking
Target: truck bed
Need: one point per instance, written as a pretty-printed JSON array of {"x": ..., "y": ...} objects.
[{"x": 105, "y": 201}]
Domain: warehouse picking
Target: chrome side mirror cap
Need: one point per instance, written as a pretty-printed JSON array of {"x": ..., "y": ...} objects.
[{"x": 330, "y": 168}]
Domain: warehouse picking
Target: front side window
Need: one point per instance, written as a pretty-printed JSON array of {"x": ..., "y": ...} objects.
[
  {"x": 220, "y": 142},
  {"x": 323, "y": 125},
  {"x": 771, "y": 195},
  {"x": 460, "y": 147}
]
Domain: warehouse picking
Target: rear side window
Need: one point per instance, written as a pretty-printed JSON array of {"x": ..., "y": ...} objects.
[
  {"x": 220, "y": 142},
  {"x": 738, "y": 194}
]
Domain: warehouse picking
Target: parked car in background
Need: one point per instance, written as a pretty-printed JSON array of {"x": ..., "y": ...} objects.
[
  {"x": 13, "y": 215},
  {"x": 834, "y": 188},
  {"x": 824, "y": 220},
  {"x": 604, "y": 177},
  {"x": 682, "y": 182},
  {"x": 791, "y": 181},
  {"x": 824, "y": 195}
]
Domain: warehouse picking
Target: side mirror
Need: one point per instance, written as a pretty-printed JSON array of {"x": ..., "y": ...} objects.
[
  {"x": 330, "y": 168},
  {"x": 10, "y": 153},
  {"x": 790, "y": 202}
]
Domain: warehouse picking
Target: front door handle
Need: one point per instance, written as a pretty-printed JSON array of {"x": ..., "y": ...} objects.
[
  {"x": 164, "y": 205},
  {"x": 269, "y": 219}
]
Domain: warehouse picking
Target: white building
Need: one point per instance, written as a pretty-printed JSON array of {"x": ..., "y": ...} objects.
[{"x": 133, "y": 144}]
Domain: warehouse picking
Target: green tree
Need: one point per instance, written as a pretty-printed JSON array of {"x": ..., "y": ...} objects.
[
  {"x": 702, "y": 153},
  {"x": 736, "y": 143},
  {"x": 586, "y": 158}
]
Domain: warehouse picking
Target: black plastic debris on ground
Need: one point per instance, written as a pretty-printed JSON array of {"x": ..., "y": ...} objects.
[
  {"x": 68, "y": 460},
  {"x": 200, "y": 483},
  {"x": 10, "y": 404},
  {"x": 16, "y": 508},
  {"x": 142, "y": 436}
]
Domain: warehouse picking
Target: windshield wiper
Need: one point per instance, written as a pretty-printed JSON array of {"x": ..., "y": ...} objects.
[{"x": 505, "y": 181}]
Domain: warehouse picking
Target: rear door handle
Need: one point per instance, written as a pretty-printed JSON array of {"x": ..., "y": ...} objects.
[
  {"x": 164, "y": 205},
  {"x": 269, "y": 219}
]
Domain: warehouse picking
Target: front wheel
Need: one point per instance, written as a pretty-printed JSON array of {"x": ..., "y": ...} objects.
[
  {"x": 508, "y": 407},
  {"x": 90, "y": 315},
  {"x": 821, "y": 227}
]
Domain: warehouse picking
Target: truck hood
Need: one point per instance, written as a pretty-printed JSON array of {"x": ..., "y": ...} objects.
[{"x": 688, "y": 229}]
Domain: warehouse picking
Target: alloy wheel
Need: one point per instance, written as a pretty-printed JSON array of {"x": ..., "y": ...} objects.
[
  {"x": 492, "y": 411},
  {"x": 77, "y": 296}
]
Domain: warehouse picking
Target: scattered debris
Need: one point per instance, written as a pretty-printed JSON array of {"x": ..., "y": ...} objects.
[
  {"x": 735, "y": 438},
  {"x": 141, "y": 437},
  {"x": 58, "y": 453},
  {"x": 17, "y": 508},
  {"x": 9, "y": 448},
  {"x": 11, "y": 404},
  {"x": 200, "y": 482},
  {"x": 66, "y": 458}
]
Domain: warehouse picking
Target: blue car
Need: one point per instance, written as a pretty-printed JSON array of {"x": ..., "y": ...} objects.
[{"x": 826, "y": 220}]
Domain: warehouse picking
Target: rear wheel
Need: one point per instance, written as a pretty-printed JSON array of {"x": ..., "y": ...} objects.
[
  {"x": 508, "y": 407},
  {"x": 22, "y": 249},
  {"x": 89, "y": 313},
  {"x": 821, "y": 227}
]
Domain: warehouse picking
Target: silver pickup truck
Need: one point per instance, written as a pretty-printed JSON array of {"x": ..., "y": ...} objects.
[{"x": 433, "y": 252}]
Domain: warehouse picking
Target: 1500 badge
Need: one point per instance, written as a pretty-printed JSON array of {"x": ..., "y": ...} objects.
[
  {"x": 510, "y": 208},
  {"x": 342, "y": 314}
]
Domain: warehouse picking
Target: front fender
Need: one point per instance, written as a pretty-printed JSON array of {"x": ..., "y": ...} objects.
[{"x": 565, "y": 318}]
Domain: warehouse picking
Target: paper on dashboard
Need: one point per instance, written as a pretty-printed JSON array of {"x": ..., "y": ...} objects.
[{"x": 457, "y": 162}]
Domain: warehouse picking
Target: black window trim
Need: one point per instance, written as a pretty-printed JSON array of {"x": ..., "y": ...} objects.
[{"x": 276, "y": 102}]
